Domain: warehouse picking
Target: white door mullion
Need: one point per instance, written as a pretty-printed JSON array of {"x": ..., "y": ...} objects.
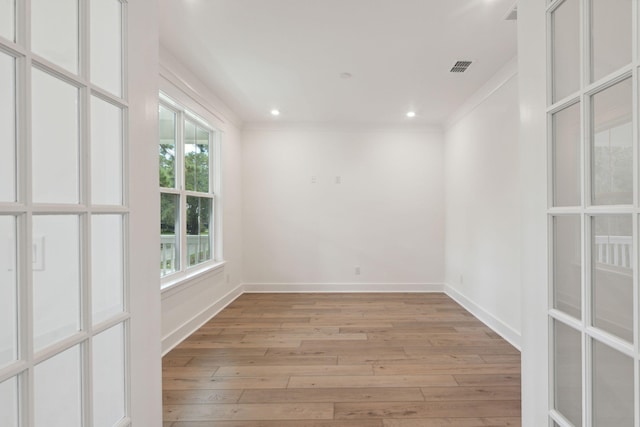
[{"x": 25, "y": 272}]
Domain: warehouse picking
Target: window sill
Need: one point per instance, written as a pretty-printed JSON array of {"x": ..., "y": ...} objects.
[{"x": 184, "y": 280}]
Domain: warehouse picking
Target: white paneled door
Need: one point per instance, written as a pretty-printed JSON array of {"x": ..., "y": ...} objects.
[
  {"x": 64, "y": 306},
  {"x": 594, "y": 213}
]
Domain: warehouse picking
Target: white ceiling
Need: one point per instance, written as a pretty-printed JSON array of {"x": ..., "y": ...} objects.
[{"x": 257, "y": 55}]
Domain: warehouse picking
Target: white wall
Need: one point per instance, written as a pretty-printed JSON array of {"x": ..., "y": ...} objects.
[
  {"x": 186, "y": 306},
  {"x": 386, "y": 216},
  {"x": 482, "y": 204}
]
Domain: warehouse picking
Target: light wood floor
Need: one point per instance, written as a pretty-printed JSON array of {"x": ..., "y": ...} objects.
[{"x": 337, "y": 360}]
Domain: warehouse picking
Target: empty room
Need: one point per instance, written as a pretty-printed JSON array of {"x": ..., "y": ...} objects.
[{"x": 299, "y": 213}]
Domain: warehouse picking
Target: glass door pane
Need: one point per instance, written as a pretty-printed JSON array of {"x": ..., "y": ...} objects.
[
  {"x": 7, "y": 19},
  {"x": 107, "y": 266},
  {"x": 612, "y": 145},
  {"x": 106, "y": 153},
  {"x": 566, "y": 156},
  {"x": 57, "y": 387},
  {"x": 610, "y": 35},
  {"x": 54, "y": 32},
  {"x": 109, "y": 377},
  {"x": 56, "y": 278},
  {"x": 7, "y": 128},
  {"x": 565, "y": 23},
  {"x": 9, "y": 403},
  {"x": 567, "y": 369},
  {"x": 8, "y": 291},
  {"x": 567, "y": 265},
  {"x": 106, "y": 45},
  {"x": 612, "y": 387},
  {"x": 55, "y": 139},
  {"x": 612, "y": 262}
]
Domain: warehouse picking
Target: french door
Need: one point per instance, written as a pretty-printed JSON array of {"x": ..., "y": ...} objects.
[
  {"x": 593, "y": 213},
  {"x": 64, "y": 308}
]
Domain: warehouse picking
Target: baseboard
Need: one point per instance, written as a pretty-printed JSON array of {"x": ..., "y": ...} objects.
[
  {"x": 189, "y": 327},
  {"x": 342, "y": 287},
  {"x": 505, "y": 331}
]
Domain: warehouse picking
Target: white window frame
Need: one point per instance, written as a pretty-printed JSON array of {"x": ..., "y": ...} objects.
[{"x": 185, "y": 272}]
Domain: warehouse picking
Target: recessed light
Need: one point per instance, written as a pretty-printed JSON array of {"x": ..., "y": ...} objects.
[
  {"x": 411, "y": 114},
  {"x": 275, "y": 112}
]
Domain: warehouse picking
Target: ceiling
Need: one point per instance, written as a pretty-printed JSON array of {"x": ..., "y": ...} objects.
[{"x": 259, "y": 55}]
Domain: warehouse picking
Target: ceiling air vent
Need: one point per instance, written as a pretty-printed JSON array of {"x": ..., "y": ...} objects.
[{"x": 460, "y": 66}]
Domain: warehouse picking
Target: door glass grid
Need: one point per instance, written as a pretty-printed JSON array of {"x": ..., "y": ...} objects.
[
  {"x": 63, "y": 215},
  {"x": 593, "y": 215}
]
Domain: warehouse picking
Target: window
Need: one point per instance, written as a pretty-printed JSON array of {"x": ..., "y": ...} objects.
[{"x": 188, "y": 178}]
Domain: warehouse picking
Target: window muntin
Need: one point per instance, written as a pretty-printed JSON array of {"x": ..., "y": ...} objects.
[{"x": 187, "y": 167}]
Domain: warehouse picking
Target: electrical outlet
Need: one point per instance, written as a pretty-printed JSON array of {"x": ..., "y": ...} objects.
[
  {"x": 314, "y": 179},
  {"x": 228, "y": 278},
  {"x": 338, "y": 180},
  {"x": 357, "y": 270},
  {"x": 461, "y": 279}
]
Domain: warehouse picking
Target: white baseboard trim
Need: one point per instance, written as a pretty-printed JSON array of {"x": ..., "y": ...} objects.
[
  {"x": 189, "y": 327},
  {"x": 505, "y": 331},
  {"x": 342, "y": 287}
]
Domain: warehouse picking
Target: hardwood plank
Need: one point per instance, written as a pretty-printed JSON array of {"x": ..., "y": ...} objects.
[
  {"x": 454, "y": 422},
  {"x": 249, "y": 411},
  {"x": 280, "y": 371},
  {"x": 372, "y": 381},
  {"x": 284, "y": 330},
  {"x": 254, "y": 351},
  {"x": 191, "y": 397},
  {"x": 408, "y": 360},
  {"x": 333, "y": 395},
  {"x": 471, "y": 393},
  {"x": 304, "y": 360},
  {"x": 482, "y": 350},
  {"x": 189, "y": 372},
  {"x": 336, "y": 350},
  {"x": 170, "y": 360},
  {"x": 223, "y": 383},
  {"x": 305, "y": 336},
  {"x": 461, "y": 409},
  {"x": 430, "y": 369},
  {"x": 280, "y": 423},
  {"x": 502, "y": 358},
  {"x": 239, "y": 344},
  {"x": 487, "y": 380}
]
